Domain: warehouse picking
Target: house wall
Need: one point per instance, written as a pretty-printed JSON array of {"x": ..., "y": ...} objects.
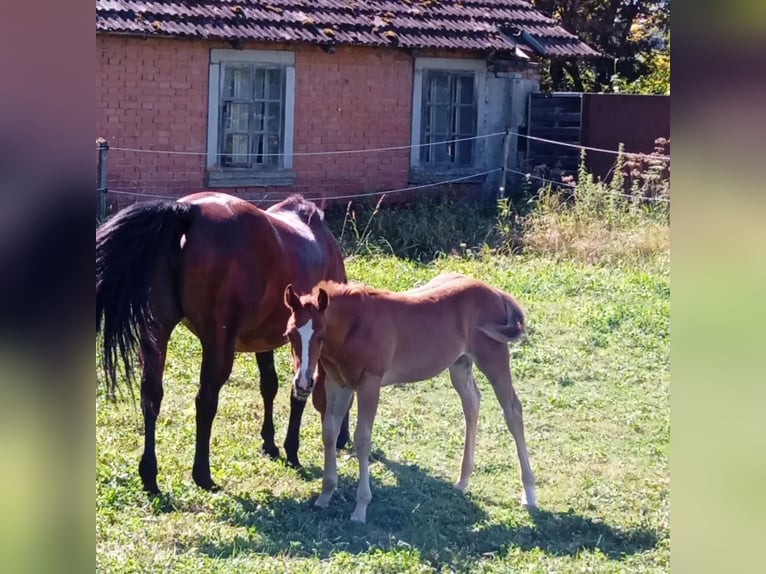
[{"x": 152, "y": 94}]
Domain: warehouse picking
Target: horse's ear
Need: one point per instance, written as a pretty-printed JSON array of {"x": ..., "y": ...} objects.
[
  {"x": 291, "y": 299},
  {"x": 322, "y": 300}
]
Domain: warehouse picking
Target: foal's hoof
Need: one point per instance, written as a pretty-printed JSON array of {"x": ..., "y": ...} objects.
[{"x": 271, "y": 450}]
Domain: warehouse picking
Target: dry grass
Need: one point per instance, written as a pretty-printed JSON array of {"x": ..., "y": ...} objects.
[{"x": 598, "y": 222}]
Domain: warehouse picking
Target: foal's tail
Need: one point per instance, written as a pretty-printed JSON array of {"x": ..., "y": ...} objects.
[
  {"x": 513, "y": 328},
  {"x": 130, "y": 247}
]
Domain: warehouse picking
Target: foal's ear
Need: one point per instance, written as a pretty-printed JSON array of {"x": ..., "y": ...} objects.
[
  {"x": 322, "y": 300},
  {"x": 291, "y": 299}
]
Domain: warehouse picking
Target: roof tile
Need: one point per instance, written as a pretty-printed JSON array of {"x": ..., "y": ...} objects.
[{"x": 451, "y": 24}]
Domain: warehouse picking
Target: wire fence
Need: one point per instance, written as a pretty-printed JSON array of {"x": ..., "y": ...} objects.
[{"x": 104, "y": 149}]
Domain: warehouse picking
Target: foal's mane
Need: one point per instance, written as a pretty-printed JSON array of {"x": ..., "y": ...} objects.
[
  {"x": 333, "y": 288},
  {"x": 302, "y": 207}
]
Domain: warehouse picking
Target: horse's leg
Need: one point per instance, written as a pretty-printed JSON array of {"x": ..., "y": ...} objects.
[
  {"x": 461, "y": 375},
  {"x": 319, "y": 399},
  {"x": 368, "y": 394},
  {"x": 269, "y": 385},
  {"x": 153, "y": 362},
  {"x": 338, "y": 401},
  {"x": 492, "y": 358},
  {"x": 217, "y": 361},
  {"x": 292, "y": 439}
]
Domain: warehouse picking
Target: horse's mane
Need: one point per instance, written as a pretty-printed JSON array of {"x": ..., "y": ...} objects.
[{"x": 303, "y": 208}]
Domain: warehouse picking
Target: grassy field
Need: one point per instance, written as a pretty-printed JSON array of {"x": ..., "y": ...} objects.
[{"x": 593, "y": 375}]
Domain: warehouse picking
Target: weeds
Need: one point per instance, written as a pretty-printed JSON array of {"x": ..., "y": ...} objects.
[{"x": 624, "y": 219}]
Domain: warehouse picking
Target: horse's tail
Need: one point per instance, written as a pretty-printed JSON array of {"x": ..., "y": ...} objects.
[
  {"x": 513, "y": 327},
  {"x": 129, "y": 249}
]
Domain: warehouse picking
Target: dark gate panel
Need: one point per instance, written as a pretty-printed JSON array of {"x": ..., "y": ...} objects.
[{"x": 556, "y": 116}]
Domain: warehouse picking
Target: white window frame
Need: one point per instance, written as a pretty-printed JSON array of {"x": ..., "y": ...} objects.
[
  {"x": 258, "y": 176},
  {"x": 477, "y": 67}
]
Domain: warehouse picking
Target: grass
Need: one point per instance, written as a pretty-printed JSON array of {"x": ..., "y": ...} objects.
[{"x": 593, "y": 375}]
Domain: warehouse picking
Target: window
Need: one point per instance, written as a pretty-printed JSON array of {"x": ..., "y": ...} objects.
[
  {"x": 250, "y": 118},
  {"x": 449, "y": 113},
  {"x": 447, "y": 105}
]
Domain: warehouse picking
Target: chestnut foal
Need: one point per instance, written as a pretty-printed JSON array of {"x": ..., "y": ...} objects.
[{"x": 368, "y": 338}]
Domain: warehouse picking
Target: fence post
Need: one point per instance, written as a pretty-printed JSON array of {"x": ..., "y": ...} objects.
[
  {"x": 506, "y": 152},
  {"x": 103, "y": 152}
]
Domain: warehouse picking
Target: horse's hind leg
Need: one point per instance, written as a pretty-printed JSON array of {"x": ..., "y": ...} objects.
[
  {"x": 269, "y": 385},
  {"x": 217, "y": 361},
  {"x": 492, "y": 358},
  {"x": 368, "y": 395},
  {"x": 461, "y": 375},
  {"x": 153, "y": 362}
]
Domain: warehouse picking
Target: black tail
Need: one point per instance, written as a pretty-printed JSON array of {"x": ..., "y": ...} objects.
[{"x": 129, "y": 248}]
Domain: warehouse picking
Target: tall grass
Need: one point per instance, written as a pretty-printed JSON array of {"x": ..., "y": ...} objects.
[
  {"x": 624, "y": 219},
  {"x": 598, "y": 221}
]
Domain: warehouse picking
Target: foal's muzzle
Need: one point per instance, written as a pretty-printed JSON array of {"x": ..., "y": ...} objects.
[{"x": 302, "y": 390}]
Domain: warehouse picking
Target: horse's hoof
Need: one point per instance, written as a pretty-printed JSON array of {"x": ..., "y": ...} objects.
[
  {"x": 206, "y": 483},
  {"x": 293, "y": 462},
  {"x": 271, "y": 450},
  {"x": 152, "y": 489}
]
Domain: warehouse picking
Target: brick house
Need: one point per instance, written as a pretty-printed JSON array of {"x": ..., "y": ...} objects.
[{"x": 249, "y": 91}]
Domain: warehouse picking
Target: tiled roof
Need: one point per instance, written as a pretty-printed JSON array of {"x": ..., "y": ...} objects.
[{"x": 499, "y": 25}]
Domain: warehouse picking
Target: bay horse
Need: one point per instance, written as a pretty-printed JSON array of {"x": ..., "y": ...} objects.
[
  {"x": 220, "y": 265},
  {"x": 369, "y": 338}
]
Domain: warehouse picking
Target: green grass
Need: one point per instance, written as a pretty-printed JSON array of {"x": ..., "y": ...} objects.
[{"x": 593, "y": 375}]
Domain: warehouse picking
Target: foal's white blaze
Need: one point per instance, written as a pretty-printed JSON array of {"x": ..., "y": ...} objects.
[{"x": 306, "y": 331}]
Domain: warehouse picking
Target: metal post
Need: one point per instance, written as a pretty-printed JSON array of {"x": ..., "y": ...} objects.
[
  {"x": 506, "y": 152},
  {"x": 103, "y": 152}
]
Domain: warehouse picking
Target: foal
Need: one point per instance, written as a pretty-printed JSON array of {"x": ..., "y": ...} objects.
[{"x": 368, "y": 338}]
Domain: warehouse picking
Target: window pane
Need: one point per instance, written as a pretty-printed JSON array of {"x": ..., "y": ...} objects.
[
  {"x": 235, "y": 149},
  {"x": 273, "y": 84},
  {"x": 273, "y": 118},
  {"x": 236, "y": 117},
  {"x": 466, "y": 121},
  {"x": 238, "y": 82},
  {"x": 266, "y": 150},
  {"x": 440, "y": 121},
  {"x": 438, "y": 89},
  {"x": 259, "y": 117},
  {"x": 464, "y": 152},
  {"x": 439, "y": 153},
  {"x": 464, "y": 89}
]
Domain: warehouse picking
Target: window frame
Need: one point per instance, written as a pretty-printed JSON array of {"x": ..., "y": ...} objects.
[
  {"x": 256, "y": 175},
  {"x": 454, "y": 66}
]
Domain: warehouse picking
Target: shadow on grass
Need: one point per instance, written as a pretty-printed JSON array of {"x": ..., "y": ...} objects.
[{"x": 420, "y": 512}]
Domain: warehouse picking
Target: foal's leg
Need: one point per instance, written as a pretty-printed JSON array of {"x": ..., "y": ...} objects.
[
  {"x": 461, "y": 375},
  {"x": 338, "y": 401},
  {"x": 269, "y": 385},
  {"x": 368, "y": 394},
  {"x": 153, "y": 362},
  {"x": 492, "y": 358},
  {"x": 217, "y": 360},
  {"x": 319, "y": 399}
]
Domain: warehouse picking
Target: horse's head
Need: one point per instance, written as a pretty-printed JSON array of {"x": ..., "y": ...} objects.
[{"x": 305, "y": 331}]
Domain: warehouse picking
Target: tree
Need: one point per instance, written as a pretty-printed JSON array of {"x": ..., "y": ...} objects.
[{"x": 626, "y": 32}]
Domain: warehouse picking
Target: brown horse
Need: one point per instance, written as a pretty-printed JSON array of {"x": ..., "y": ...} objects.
[
  {"x": 368, "y": 338},
  {"x": 219, "y": 265}
]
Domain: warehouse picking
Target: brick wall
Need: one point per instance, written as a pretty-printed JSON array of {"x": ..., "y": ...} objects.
[{"x": 152, "y": 94}]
